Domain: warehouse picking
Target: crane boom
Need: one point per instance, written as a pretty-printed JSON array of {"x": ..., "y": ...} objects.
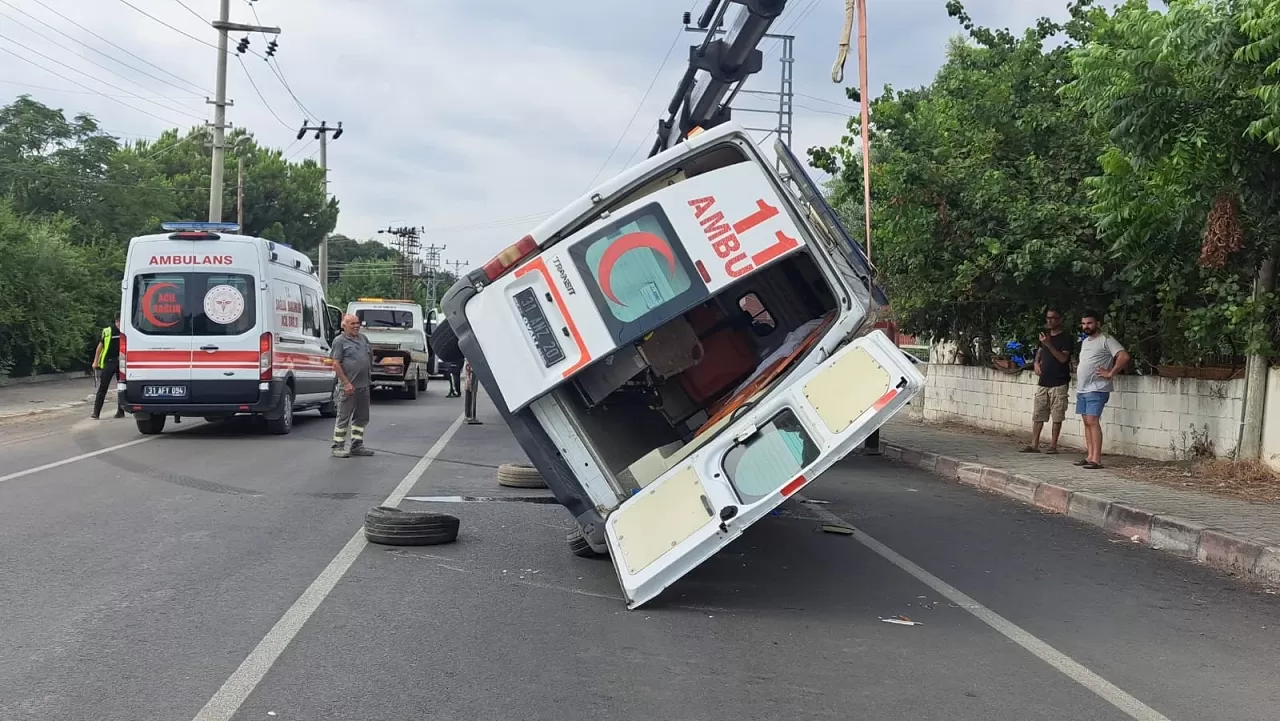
[{"x": 718, "y": 66}]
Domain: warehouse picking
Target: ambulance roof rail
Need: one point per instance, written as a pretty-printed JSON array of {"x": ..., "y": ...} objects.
[{"x": 717, "y": 67}]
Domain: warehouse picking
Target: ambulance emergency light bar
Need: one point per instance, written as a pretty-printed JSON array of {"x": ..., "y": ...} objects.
[
  {"x": 200, "y": 225},
  {"x": 717, "y": 66}
]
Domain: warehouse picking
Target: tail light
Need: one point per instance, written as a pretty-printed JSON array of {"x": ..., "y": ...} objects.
[
  {"x": 124, "y": 362},
  {"x": 507, "y": 259},
  {"x": 264, "y": 356}
]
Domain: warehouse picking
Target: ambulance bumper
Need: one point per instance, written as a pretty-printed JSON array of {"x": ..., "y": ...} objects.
[{"x": 269, "y": 394}]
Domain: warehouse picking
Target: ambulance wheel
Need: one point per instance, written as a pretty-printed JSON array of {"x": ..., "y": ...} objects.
[
  {"x": 520, "y": 475},
  {"x": 580, "y": 547},
  {"x": 391, "y": 526},
  {"x": 282, "y": 425},
  {"x": 445, "y": 343},
  {"x": 149, "y": 425}
]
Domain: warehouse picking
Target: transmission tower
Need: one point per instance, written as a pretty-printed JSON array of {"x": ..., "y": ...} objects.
[{"x": 407, "y": 241}]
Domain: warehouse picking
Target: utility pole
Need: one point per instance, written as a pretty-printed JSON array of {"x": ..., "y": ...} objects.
[
  {"x": 322, "y": 134},
  {"x": 223, "y": 25}
]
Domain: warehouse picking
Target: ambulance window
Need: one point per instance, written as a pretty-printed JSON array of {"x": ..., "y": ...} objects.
[
  {"x": 771, "y": 458},
  {"x": 221, "y": 303},
  {"x": 311, "y": 313},
  {"x": 640, "y": 274},
  {"x": 762, "y": 322},
  {"x": 160, "y": 304}
]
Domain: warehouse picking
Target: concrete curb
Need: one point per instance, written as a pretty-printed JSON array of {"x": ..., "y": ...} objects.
[
  {"x": 46, "y": 378},
  {"x": 10, "y": 415},
  {"x": 1178, "y": 536}
]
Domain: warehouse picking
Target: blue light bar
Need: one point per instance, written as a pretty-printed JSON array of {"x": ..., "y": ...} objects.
[{"x": 197, "y": 225}]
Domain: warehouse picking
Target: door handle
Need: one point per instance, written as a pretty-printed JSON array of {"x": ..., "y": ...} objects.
[{"x": 209, "y": 348}]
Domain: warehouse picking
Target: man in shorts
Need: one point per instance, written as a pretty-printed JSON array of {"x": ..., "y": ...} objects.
[
  {"x": 1101, "y": 358},
  {"x": 1053, "y": 366}
]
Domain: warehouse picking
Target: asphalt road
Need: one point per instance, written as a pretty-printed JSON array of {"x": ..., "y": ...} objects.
[{"x": 216, "y": 573}]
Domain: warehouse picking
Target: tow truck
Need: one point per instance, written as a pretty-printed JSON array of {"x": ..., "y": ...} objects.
[
  {"x": 397, "y": 335},
  {"x": 689, "y": 344}
]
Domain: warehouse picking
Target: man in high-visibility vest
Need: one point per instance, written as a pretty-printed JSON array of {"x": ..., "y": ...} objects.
[{"x": 106, "y": 360}]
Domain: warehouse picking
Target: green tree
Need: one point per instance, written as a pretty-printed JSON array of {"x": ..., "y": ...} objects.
[
  {"x": 1189, "y": 196},
  {"x": 979, "y": 216}
]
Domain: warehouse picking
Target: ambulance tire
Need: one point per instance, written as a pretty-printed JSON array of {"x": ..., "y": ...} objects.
[
  {"x": 520, "y": 475},
  {"x": 150, "y": 425},
  {"x": 580, "y": 547},
  {"x": 282, "y": 425},
  {"x": 390, "y": 526},
  {"x": 445, "y": 343}
]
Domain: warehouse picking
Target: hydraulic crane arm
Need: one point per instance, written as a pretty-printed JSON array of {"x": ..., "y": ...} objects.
[{"x": 717, "y": 67}]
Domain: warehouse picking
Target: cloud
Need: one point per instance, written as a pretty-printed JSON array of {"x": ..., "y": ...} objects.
[{"x": 469, "y": 118}]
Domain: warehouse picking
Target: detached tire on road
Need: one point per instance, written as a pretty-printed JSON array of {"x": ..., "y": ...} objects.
[
  {"x": 445, "y": 343},
  {"x": 390, "y": 526},
  {"x": 520, "y": 475}
]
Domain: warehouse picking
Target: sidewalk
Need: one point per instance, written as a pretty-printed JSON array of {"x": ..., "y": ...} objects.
[
  {"x": 1235, "y": 535},
  {"x": 39, "y": 398}
]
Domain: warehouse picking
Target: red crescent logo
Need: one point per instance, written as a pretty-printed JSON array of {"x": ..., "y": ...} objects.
[
  {"x": 619, "y": 247},
  {"x": 147, "y": 299}
]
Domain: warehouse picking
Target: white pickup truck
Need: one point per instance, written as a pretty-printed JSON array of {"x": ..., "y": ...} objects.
[{"x": 397, "y": 332}]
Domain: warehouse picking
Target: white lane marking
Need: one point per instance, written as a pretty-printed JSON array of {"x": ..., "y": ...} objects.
[
  {"x": 1108, "y": 691},
  {"x": 246, "y": 678},
  {"x": 73, "y": 459}
]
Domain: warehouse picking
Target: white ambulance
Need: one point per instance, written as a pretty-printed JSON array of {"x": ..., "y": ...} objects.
[
  {"x": 216, "y": 324},
  {"x": 681, "y": 350}
]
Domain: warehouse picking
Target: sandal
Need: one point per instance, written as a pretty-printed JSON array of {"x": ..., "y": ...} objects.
[
  {"x": 1081, "y": 462},
  {"x": 1052, "y": 451},
  {"x": 1029, "y": 449},
  {"x": 1092, "y": 466}
]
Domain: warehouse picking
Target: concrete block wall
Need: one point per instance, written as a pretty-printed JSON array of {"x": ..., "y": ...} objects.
[{"x": 1147, "y": 416}]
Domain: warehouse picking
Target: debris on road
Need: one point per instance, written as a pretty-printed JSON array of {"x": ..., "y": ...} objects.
[
  {"x": 901, "y": 621},
  {"x": 816, "y": 502},
  {"x": 837, "y": 528}
]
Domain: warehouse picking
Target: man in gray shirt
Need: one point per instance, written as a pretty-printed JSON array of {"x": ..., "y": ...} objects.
[
  {"x": 353, "y": 362},
  {"x": 1101, "y": 358}
]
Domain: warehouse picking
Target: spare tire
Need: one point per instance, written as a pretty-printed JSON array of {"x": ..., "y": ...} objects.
[
  {"x": 520, "y": 475},
  {"x": 393, "y": 527},
  {"x": 445, "y": 343}
]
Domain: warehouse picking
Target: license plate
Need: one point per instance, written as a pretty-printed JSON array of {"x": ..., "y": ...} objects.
[
  {"x": 544, "y": 337},
  {"x": 164, "y": 391}
]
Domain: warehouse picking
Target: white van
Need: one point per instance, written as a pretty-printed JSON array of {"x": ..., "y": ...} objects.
[
  {"x": 216, "y": 324},
  {"x": 681, "y": 350}
]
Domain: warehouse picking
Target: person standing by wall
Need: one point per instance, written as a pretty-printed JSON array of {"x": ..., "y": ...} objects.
[
  {"x": 1053, "y": 366},
  {"x": 353, "y": 363},
  {"x": 1101, "y": 358},
  {"x": 106, "y": 360}
]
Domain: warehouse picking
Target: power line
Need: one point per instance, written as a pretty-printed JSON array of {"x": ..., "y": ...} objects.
[
  {"x": 87, "y": 75},
  {"x": 640, "y": 105},
  {"x": 93, "y": 92},
  {"x": 259, "y": 93},
  {"x": 117, "y": 47},
  {"x": 193, "y": 12},
  {"x": 176, "y": 30},
  {"x": 86, "y": 87},
  {"x": 274, "y": 65},
  {"x": 95, "y": 63}
]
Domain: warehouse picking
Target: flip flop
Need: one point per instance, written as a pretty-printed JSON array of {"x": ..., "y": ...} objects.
[
  {"x": 1052, "y": 451},
  {"x": 1092, "y": 466},
  {"x": 1029, "y": 449},
  {"x": 1081, "y": 462}
]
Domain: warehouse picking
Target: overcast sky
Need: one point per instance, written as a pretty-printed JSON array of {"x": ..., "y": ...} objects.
[{"x": 472, "y": 118}]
